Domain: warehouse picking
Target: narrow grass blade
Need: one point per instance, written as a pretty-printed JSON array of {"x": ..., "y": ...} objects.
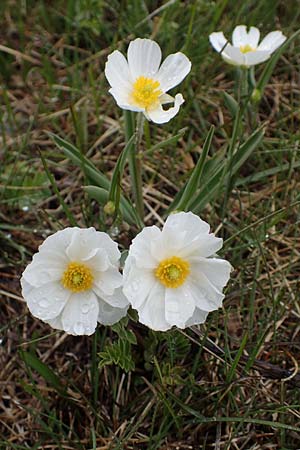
[
  {"x": 42, "y": 369},
  {"x": 203, "y": 419},
  {"x": 56, "y": 190},
  {"x": 80, "y": 160},
  {"x": 209, "y": 190},
  {"x": 195, "y": 178},
  {"x": 237, "y": 358},
  {"x": 115, "y": 188},
  {"x": 170, "y": 141},
  {"x": 127, "y": 210},
  {"x": 231, "y": 104},
  {"x": 268, "y": 70}
]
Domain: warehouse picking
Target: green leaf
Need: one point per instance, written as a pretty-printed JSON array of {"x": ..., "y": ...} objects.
[
  {"x": 56, "y": 190},
  {"x": 231, "y": 104},
  {"x": 100, "y": 180},
  {"x": 42, "y": 369},
  {"x": 195, "y": 177},
  {"x": 127, "y": 210},
  {"x": 118, "y": 353},
  {"x": 166, "y": 142},
  {"x": 80, "y": 160},
  {"x": 115, "y": 188},
  {"x": 218, "y": 179}
]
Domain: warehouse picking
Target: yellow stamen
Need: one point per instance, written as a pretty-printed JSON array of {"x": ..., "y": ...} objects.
[
  {"x": 145, "y": 92},
  {"x": 246, "y": 48},
  {"x": 77, "y": 277},
  {"x": 172, "y": 272}
]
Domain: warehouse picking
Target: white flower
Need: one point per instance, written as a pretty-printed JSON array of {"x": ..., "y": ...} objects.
[
  {"x": 245, "y": 50},
  {"x": 73, "y": 281},
  {"x": 139, "y": 84},
  {"x": 171, "y": 276}
]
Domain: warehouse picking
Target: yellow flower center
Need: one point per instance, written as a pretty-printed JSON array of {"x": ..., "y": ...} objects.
[
  {"x": 246, "y": 48},
  {"x": 77, "y": 277},
  {"x": 172, "y": 272},
  {"x": 145, "y": 92}
]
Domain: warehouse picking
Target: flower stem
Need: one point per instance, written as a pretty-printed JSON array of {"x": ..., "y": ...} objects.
[{"x": 134, "y": 158}]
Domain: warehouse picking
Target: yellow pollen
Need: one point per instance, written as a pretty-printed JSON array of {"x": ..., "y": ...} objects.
[
  {"x": 145, "y": 92},
  {"x": 246, "y": 48},
  {"x": 77, "y": 277},
  {"x": 172, "y": 272}
]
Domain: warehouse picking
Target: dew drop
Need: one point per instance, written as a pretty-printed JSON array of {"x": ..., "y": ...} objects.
[
  {"x": 135, "y": 286},
  {"x": 25, "y": 208},
  {"x": 44, "y": 302},
  {"x": 79, "y": 328},
  {"x": 85, "y": 308}
]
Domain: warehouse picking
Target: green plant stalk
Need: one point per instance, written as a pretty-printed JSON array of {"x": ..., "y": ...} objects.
[{"x": 134, "y": 159}]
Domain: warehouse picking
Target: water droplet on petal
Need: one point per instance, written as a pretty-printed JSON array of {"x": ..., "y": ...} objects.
[
  {"x": 85, "y": 308},
  {"x": 79, "y": 328},
  {"x": 135, "y": 286},
  {"x": 44, "y": 302}
]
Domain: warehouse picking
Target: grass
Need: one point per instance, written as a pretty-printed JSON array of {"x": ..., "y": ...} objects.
[{"x": 233, "y": 383}]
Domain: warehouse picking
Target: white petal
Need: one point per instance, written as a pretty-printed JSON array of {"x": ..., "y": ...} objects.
[
  {"x": 216, "y": 270},
  {"x": 272, "y": 41},
  {"x": 122, "y": 99},
  {"x": 108, "y": 281},
  {"x": 43, "y": 270},
  {"x": 164, "y": 99},
  {"x": 55, "y": 323},
  {"x": 85, "y": 243},
  {"x": 233, "y": 55},
  {"x": 46, "y": 302},
  {"x": 117, "y": 72},
  {"x": 138, "y": 284},
  {"x": 179, "y": 306},
  {"x": 159, "y": 115},
  {"x": 189, "y": 222},
  {"x": 104, "y": 241},
  {"x": 26, "y": 287},
  {"x": 100, "y": 261},
  {"x": 80, "y": 314},
  {"x": 204, "y": 245},
  {"x": 82, "y": 246},
  {"x": 59, "y": 241},
  {"x": 144, "y": 56},
  {"x": 173, "y": 70},
  {"x": 141, "y": 245},
  {"x": 170, "y": 243},
  {"x": 108, "y": 315},
  {"x": 152, "y": 312},
  {"x": 257, "y": 57},
  {"x": 198, "y": 317},
  {"x": 118, "y": 299},
  {"x": 218, "y": 40},
  {"x": 240, "y": 36},
  {"x": 253, "y": 37},
  {"x": 207, "y": 297}
]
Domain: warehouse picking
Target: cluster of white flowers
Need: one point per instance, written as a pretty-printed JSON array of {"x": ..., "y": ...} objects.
[{"x": 171, "y": 277}]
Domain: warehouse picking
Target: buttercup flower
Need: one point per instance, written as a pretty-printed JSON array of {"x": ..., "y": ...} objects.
[
  {"x": 73, "y": 281},
  {"x": 140, "y": 83},
  {"x": 171, "y": 276},
  {"x": 245, "y": 50}
]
